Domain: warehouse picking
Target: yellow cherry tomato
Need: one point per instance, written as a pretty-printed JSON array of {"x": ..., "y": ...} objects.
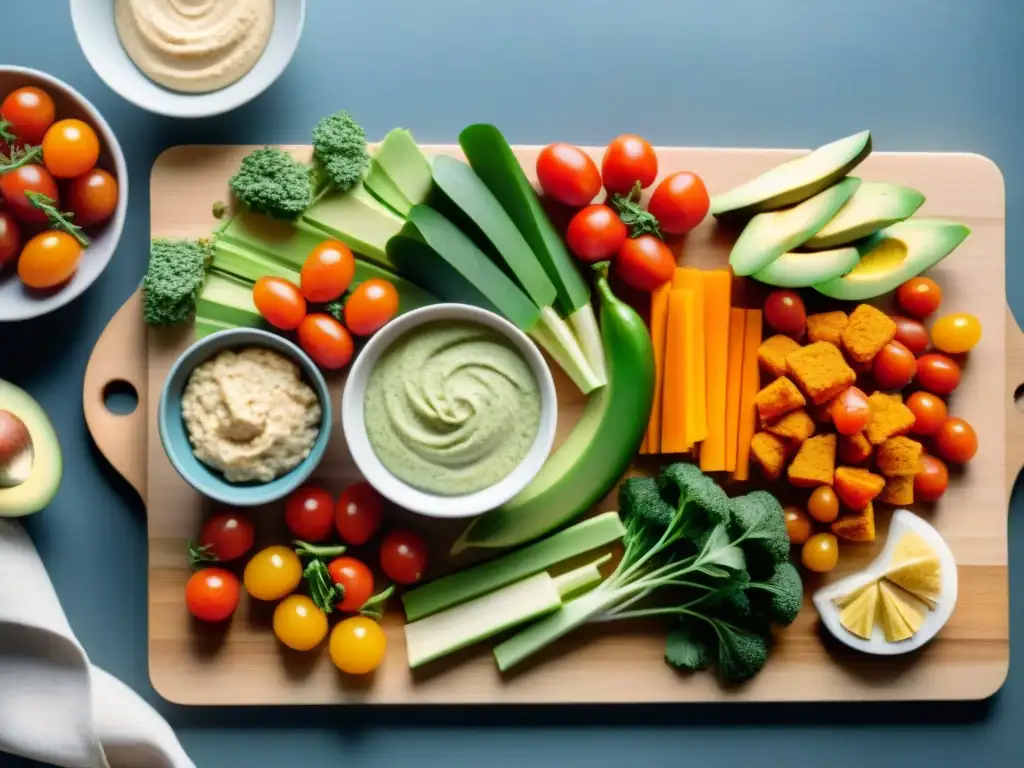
[
  {"x": 956, "y": 333},
  {"x": 358, "y": 645},
  {"x": 272, "y": 573},
  {"x": 298, "y": 623},
  {"x": 820, "y": 553}
]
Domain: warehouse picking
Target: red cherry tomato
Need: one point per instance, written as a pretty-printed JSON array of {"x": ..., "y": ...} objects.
[
  {"x": 228, "y": 535},
  {"x": 931, "y": 481},
  {"x": 627, "y": 160},
  {"x": 919, "y": 296},
  {"x": 596, "y": 233},
  {"x": 10, "y": 238},
  {"x": 49, "y": 259},
  {"x": 403, "y": 556},
  {"x": 70, "y": 148},
  {"x": 894, "y": 367},
  {"x": 327, "y": 272},
  {"x": 92, "y": 197},
  {"x": 30, "y": 112},
  {"x": 645, "y": 262},
  {"x": 680, "y": 202},
  {"x": 28, "y": 178},
  {"x": 280, "y": 302},
  {"x": 785, "y": 312},
  {"x": 938, "y": 374},
  {"x": 355, "y": 579},
  {"x": 956, "y": 441},
  {"x": 568, "y": 174},
  {"x": 359, "y": 513},
  {"x": 850, "y": 411},
  {"x": 929, "y": 412},
  {"x": 212, "y": 594},
  {"x": 371, "y": 306},
  {"x": 911, "y": 334},
  {"x": 326, "y": 341},
  {"x": 309, "y": 513}
]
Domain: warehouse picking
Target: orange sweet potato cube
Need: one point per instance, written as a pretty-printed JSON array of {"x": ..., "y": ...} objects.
[
  {"x": 815, "y": 462},
  {"x": 771, "y": 355},
  {"x": 887, "y": 416},
  {"x": 856, "y": 487},
  {"x": 868, "y": 330},
  {"x": 820, "y": 370},
  {"x": 769, "y": 452},
  {"x": 795, "y": 425},
  {"x": 899, "y": 456},
  {"x": 854, "y": 449},
  {"x": 777, "y": 399},
  {"x": 856, "y": 526},
  {"x": 826, "y": 326},
  {"x": 899, "y": 490}
]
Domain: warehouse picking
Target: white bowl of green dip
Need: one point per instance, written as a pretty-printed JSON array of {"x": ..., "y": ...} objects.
[{"x": 449, "y": 411}]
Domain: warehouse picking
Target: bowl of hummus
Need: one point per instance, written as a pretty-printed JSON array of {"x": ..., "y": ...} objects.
[
  {"x": 449, "y": 411},
  {"x": 244, "y": 416},
  {"x": 188, "y": 58}
]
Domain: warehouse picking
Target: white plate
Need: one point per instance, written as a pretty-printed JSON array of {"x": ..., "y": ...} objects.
[{"x": 902, "y": 522}]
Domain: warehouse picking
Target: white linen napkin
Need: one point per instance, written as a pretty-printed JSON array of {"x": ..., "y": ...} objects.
[{"x": 56, "y": 707}]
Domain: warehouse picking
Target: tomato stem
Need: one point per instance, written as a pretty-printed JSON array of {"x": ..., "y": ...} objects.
[
  {"x": 18, "y": 157},
  {"x": 58, "y": 220},
  {"x": 639, "y": 221}
]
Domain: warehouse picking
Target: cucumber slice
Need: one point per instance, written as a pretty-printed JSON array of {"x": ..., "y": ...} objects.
[
  {"x": 205, "y": 326},
  {"x": 227, "y": 300},
  {"x": 243, "y": 263},
  {"x": 270, "y": 238},
  {"x": 404, "y": 163},
  {"x": 480, "y": 210},
  {"x": 874, "y": 206},
  {"x": 800, "y": 270},
  {"x": 384, "y": 189},
  {"x": 480, "y": 579},
  {"x": 357, "y": 219}
]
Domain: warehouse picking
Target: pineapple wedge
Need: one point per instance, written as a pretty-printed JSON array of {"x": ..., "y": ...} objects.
[{"x": 858, "y": 615}]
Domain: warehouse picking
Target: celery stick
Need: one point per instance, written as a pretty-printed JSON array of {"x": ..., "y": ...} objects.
[
  {"x": 357, "y": 219},
  {"x": 227, "y": 300},
  {"x": 272, "y": 239},
  {"x": 463, "y": 625},
  {"x": 243, "y": 263},
  {"x": 384, "y": 189},
  {"x": 467, "y": 584},
  {"x": 205, "y": 326},
  {"x": 405, "y": 164}
]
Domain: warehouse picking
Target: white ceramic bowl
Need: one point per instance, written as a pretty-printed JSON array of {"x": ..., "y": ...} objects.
[
  {"x": 399, "y": 491},
  {"x": 18, "y": 302},
  {"x": 97, "y": 35}
]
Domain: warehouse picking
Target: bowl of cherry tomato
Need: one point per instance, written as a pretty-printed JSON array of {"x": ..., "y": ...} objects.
[{"x": 63, "y": 193}]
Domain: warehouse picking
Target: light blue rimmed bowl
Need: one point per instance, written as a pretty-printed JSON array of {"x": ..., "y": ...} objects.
[{"x": 174, "y": 436}]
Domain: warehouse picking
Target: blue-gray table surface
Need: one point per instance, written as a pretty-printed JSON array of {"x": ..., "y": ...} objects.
[{"x": 924, "y": 75}]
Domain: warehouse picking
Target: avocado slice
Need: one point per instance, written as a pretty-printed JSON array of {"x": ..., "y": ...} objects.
[
  {"x": 874, "y": 206},
  {"x": 894, "y": 255},
  {"x": 771, "y": 234},
  {"x": 800, "y": 270},
  {"x": 793, "y": 181},
  {"x": 31, "y": 477}
]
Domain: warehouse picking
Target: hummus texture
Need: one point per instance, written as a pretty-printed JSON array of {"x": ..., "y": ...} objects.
[
  {"x": 195, "y": 46},
  {"x": 249, "y": 414},
  {"x": 452, "y": 408}
]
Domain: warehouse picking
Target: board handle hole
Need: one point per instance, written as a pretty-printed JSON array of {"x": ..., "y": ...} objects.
[{"x": 120, "y": 397}]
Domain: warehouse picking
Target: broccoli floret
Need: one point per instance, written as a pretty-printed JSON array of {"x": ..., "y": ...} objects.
[
  {"x": 273, "y": 182},
  {"x": 339, "y": 146},
  {"x": 173, "y": 280},
  {"x": 640, "y": 500},
  {"x": 698, "y": 497},
  {"x": 781, "y": 597},
  {"x": 741, "y": 653},
  {"x": 759, "y": 526}
]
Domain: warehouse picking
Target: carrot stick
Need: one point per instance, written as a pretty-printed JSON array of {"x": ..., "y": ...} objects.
[
  {"x": 749, "y": 387},
  {"x": 717, "y": 295},
  {"x": 673, "y": 403},
  {"x": 659, "y": 326},
  {"x": 691, "y": 279},
  {"x": 734, "y": 376}
]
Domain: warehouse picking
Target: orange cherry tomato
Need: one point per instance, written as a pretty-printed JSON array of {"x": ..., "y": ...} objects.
[
  {"x": 919, "y": 296},
  {"x": 785, "y": 312},
  {"x": 680, "y": 202},
  {"x": 30, "y": 112},
  {"x": 850, "y": 412},
  {"x": 931, "y": 480},
  {"x": 929, "y": 412},
  {"x": 327, "y": 271},
  {"x": 92, "y": 197},
  {"x": 596, "y": 233},
  {"x": 956, "y": 333},
  {"x": 359, "y": 513},
  {"x": 371, "y": 306},
  {"x": 823, "y": 504},
  {"x": 356, "y": 582},
  {"x": 912, "y": 334},
  {"x": 798, "y": 525},
  {"x": 644, "y": 262},
  {"x": 326, "y": 341},
  {"x": 70, "y": 148},
  {"x": 403, "y": 556},
  {"x": 627, "y": 160},
  {"x": 280, "y": 302},
  {"x": 212, "y": 594},
  {"x": 49, "y": 259},
  {"x": 938, "y": 374},
  {"x": 956, "y": 441},
  {"x": 894, "y": 367},
  {"x": 820, "y": 553},
  {"x": 568, "y": 174}
]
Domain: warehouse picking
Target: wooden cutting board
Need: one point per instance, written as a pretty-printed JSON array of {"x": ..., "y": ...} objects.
[{"x": 243, "y": 664}]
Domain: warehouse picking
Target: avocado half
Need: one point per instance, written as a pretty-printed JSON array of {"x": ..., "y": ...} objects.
[
  {"x": 769, "y": 235},
  {"x": 801, "y": 270},
  {"x": 793, "y": 181},
  {"x": 874, "y": 206},
  {"x": 894, "y": 255},
  {"x": 37, "y": 474}
]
